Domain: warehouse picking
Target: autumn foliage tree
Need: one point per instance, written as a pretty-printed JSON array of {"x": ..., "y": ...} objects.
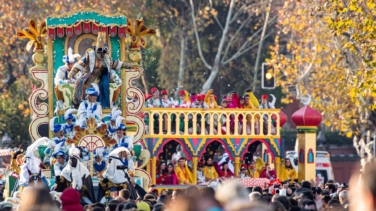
[{"x": 326, "y": 49}]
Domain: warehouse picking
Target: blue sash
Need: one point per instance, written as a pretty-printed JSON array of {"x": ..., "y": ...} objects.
[
  {"x": 100, "y": 167},
  {"x": 125, "y": 162}
]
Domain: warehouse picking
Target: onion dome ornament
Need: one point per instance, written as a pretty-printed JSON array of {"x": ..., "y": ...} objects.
[
  {"x": 307, "y": 116},
  {"x": 282, "y": 119}
]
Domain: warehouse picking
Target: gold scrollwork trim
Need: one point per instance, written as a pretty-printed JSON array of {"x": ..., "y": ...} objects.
[{"x": 50, "y": 86}]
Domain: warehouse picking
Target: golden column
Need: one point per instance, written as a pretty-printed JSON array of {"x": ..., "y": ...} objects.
[
  {"x": 194, "y": 162},
  {"x": 306, "y": 120},
  {"x": 148, "y": 167},
  {"x": 277, "y": 166},
  {"x": 154, "y": 169},
  {"x": 237, "y": 165}
]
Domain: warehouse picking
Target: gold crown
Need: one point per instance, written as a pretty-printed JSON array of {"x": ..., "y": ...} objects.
[{"x": 101, "y": 41}]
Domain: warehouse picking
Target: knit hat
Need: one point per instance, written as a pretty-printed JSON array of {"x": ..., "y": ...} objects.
[
  {"x": 70, "y": 200},
  {"x": 143, "y": 206}
]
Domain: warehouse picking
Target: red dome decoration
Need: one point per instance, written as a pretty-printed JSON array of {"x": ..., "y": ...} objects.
[
  {"x": 282, "y": 118},
  {"x": 306, "y": 116}
]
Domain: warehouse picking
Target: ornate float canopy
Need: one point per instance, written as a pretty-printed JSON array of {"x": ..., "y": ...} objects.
[{"x": 86, "y": 21}]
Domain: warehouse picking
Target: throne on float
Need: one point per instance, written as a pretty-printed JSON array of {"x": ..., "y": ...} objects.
[{"x": 78, "y": 31}]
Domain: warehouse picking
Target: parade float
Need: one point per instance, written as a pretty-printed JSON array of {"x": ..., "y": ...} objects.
[{"x": 51, "y": 40}]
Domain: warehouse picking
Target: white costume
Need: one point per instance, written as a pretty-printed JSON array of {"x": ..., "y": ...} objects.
[
  {"x": 182, "y": 104},
  {"x": 269, "y": 104},
  {"x": 62, "y": 72},
  {"x": 31, "y": 167},
  {"x": 62, "y": 76},
  {"x": 200, "y": 178},
  {"x": 89, "y": 109},
  {"x": 125, "y": 140},
  {"x": 203, "y": 105},
  {"x": 58, "y": 168},
  {"x": 112, "y": 173},
  {"x": 53, "y": 143},
  {"x": 68, "y": 128},
  {"x": 225, "y": 157},
  {"x": 99, "y": 166},
  {"x": 77, "y": 172},
  {"x": 111, "y": 129},
  {"x": 154, "y": 103},
  {"x": 169, "y": 103}
]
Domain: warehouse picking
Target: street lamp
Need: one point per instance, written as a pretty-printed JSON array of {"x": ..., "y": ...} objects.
[{"x": 6, "y": 140}]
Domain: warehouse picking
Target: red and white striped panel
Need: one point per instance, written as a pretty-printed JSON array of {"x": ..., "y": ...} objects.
[{"x": 5, "y": 152}]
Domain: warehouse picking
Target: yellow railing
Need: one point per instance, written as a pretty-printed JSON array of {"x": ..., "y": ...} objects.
[{"x": 194, "y": 122}]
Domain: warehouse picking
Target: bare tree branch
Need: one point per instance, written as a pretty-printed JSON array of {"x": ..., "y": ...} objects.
[
  {"x": 197, "y": 37},
  {"x": 11, "y": 78},
  {"x": 306, "y": 72},
  {"x": 215, "y": 69},
  {"x": 244, "y": 44},
  {"x": 260, "y": 45},
  {"x": 214, "y": 16},
  {"x": 234, "y": 36},
  {"x": 237, "y": 14},
  {"x": 240, "y": 53}
]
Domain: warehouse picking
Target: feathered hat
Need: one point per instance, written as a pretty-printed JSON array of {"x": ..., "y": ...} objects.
[
  {"x": 34, "y": 146},
  {"x": 93, "y": 90},
  {"x": 70, "y": 57},
  {"x": 116, "y": 151},
  {"x": 55, "y": 127},
  {"x": 68, "y": 114},
  {"x": 59, "y": 153},
  {"x": 119, "y": 123},
  {"x": 74, "y": 152},
  {"x": 101, "y": 45},
  {"x": 114, "y": 114},
  {"x": 57, "y": 148},
  {"x": 81, "y": 122},
  {"x": 99, "y": 152}
]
